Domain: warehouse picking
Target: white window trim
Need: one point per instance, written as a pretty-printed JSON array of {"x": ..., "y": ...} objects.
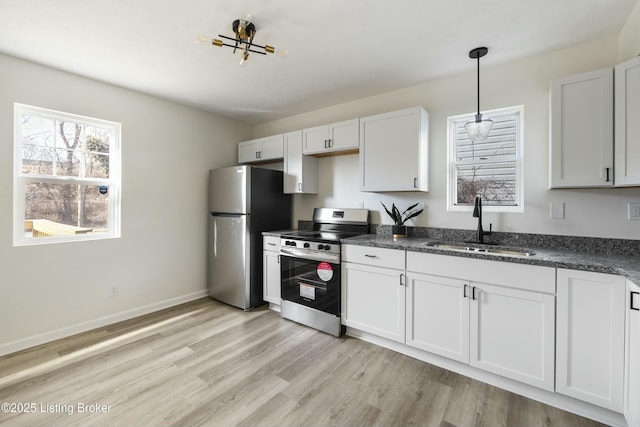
[
  {"x": 451, "y": 171},
  {"x": 20, "y": 180}
]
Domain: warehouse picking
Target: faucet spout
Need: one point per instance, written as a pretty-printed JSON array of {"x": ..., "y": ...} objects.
[{"x": 477, "y": 213}]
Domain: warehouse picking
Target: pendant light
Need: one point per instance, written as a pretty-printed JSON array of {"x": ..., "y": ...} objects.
[{"x": 479, "y": 128}]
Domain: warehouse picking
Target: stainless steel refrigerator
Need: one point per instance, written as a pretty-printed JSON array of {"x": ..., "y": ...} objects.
[{"x": 244, "y": 201}]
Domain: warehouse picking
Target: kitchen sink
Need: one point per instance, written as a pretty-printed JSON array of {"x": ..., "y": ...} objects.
[{"x": 481, "y": 250}]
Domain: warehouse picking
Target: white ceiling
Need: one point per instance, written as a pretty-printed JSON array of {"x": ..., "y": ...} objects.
[{"x": 339, "y": 50}]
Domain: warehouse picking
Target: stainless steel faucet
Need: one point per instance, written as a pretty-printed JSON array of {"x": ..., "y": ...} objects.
[{"x": 477, "y": 213}]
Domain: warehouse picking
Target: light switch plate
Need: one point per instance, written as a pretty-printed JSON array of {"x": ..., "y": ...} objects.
[{"x": 557, "y": 210}]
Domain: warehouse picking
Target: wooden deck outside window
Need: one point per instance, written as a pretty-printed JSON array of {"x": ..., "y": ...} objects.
[{"x": 45, "y": 227}]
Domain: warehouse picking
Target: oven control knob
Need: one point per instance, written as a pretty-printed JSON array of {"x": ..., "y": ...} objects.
[
  {"x": 306, "y": 245},
  {"x": 320, "y": 247},
  {"x": 290, "y": 243},
  {"x": 327, "y": 247}
]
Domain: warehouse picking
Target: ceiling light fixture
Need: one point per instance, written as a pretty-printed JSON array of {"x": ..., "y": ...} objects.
[
  {"x": 479, "y": 128},
  {"x": 245, "y": 31}
]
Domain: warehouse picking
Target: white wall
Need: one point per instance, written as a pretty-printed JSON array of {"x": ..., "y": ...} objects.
[
  {"x": 48, "y": 291},
  {"x": 600, "y": 213},
  {"x": 629, "y": 38}
]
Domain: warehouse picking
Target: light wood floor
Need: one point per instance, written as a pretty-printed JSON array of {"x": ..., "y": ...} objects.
[{"x": 204, "y": 363}]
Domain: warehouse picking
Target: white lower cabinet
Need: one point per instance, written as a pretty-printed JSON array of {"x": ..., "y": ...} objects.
[
  {"x": 590, "y": 337},
  {"x": 632, "y": 356},
  {"x": 506, "y": 331},
  {"x": 271, "y": 270},
  {"x": 512, "y": 333},
  {"x": 505, "y": 325},
  {"x": 438, "y": 316},
  {"x": 373, "y": 296}
]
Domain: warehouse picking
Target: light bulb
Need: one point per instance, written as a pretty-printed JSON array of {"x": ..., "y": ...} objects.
[{"x": 203, "y": 40}]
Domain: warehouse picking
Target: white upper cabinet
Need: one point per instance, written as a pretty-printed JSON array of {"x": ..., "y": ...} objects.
[
  {"x": 261, "y": 149},
  {"x": 334, "y": 137},
  {"x": 581, "y": 130},
  {"x": 627, "y": 123},
  {"x": 300, "y": 171},
  {"x": 394, "y": 151}
]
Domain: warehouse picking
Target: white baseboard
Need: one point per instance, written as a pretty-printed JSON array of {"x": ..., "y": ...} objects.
[
  {"x": 560, "y": 401},
  {"x": 70, "y": 330}
]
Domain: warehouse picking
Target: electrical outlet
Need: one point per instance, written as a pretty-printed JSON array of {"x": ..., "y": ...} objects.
[
  {"x": 115, "y": 290},
  {"x": 634, "y": 211}
]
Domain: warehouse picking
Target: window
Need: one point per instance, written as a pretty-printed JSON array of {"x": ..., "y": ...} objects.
[
  {"x": 66, "y": 177},
  {"x": 491, "y": 169}
]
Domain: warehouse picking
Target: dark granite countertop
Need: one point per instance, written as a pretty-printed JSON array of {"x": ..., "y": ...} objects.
[{"x": 624, "y": 265}]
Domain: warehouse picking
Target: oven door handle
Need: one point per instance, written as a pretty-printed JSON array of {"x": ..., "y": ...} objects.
[{"x": 315, "y": 256}]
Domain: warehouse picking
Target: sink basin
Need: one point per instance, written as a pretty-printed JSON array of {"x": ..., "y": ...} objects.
[{"x": 475, "y": 249}]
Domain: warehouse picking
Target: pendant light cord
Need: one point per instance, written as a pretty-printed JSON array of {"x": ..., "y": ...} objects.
[{"x": 478, "y": 75}]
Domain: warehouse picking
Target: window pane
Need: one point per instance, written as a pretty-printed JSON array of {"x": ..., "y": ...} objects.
[
  {"x": 495, "y": 182},
  {"x": 67, "y": 163},
  {"x": 97, "y": 165},
  {"x": 37, "y": 160},
  {"x": 65, "y": 209},
  {"x": 36, "y": 131},
  {"x": 97, "y": 139}
]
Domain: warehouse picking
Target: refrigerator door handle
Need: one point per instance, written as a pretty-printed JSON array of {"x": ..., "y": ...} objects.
[{"x": 215, "y": 238}]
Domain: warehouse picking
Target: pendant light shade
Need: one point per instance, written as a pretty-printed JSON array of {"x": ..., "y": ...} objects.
[{"x": 478, "y": 129}]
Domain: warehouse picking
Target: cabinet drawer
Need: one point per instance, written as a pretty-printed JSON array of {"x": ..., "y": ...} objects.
[
  {"x": 379, "y": 257},
  {"x": 521, "y": 276},
  {"x": 271, "y": 243}
]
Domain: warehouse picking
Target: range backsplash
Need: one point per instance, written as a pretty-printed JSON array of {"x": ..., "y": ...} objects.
[{"x": 602, "y": 245}]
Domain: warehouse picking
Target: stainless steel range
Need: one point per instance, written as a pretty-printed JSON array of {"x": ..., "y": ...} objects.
[{"x": 310, "y": 268}]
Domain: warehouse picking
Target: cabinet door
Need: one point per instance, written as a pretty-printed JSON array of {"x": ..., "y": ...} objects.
[
  {"x": 438, "y": 315},
  {"x": 581, "y": 143},
  {"x": 512, "y": 333},
  {"x": 316, "y": 140},
  {"x": 272, "y": 147},
  {"x": 344, "y": 135},
  {"x": 373, "y": 300},
  {"x": 627, "y": 134},
  {"x": 300, "y": 171},
  {"x": 632, "y": 395},
  {"x": 394, "y": 151},
  {"x": 271, "y": 277},
  {"x": 248, "y": 151},
  {"x": 590, "y": 337}
]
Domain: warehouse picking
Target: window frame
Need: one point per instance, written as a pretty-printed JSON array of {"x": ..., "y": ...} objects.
[
  {"x": 452, "y": 162},
  {"x": 21, "y": 180}
]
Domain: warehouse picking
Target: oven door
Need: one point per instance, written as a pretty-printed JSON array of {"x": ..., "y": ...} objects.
[{"x": 314, "y": 283}]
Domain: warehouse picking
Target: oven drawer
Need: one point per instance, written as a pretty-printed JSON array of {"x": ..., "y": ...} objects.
[{"x": 380, "y": 257}]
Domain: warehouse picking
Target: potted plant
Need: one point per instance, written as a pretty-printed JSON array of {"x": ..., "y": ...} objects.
[{"x": 399, "y": 230}]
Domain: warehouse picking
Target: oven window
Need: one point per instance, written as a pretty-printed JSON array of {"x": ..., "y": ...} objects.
[{"x": 315, "y": 284}]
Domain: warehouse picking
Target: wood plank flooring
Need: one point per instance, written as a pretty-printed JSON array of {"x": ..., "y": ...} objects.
[{"x": 207, "y": 364}]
